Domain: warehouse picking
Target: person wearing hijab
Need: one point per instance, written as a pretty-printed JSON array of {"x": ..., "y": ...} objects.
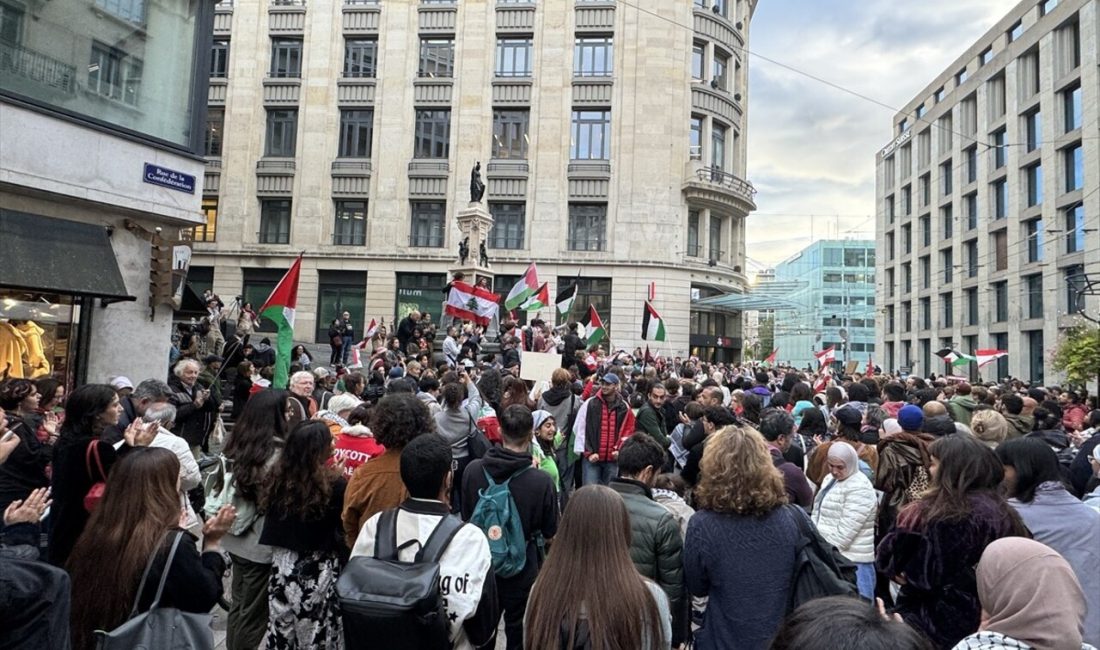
[
  {"x": 844, "y": 512},
  {"x": 1030, "y": 599},
  {"x": 546, "y": 442}
]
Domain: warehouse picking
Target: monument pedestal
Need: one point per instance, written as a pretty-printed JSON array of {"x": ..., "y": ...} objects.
[{"x": 474, "y": 224}]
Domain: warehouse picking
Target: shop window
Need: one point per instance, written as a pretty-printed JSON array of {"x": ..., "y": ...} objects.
[
  {"x": 337, "y": 292},
  {"x": 421, "y": 292}
]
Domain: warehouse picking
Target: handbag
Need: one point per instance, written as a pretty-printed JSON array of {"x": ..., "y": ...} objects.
[
  {"x": 918, "y": 486},
  {"x": 164, "y": 628},
  {"x": 95, "y": 493},
  {"x": 221, "y": 490},
  {"x": 477, "y": 443},
  {"x": 819, "y": 569}
]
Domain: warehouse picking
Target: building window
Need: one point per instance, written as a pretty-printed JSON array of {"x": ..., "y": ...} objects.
[
  {"x": 1035, "y": 356},
  {"x": 219, "y": 58},
  {"x": 1067, "y": 49},
  {"x": 946, "y": 184},
  {"x": 1073, "y": 278},
  {"x": 718, "y": 146},
  {"x": 360, "y": 58},
  {"x": 972, "y": 258},
  {"x": 593, "y": 56},
  {"x": 925, "y": 272},
  {"x": 923, "y": 185},
  {"x": 960, "y": 77},
  {"x": 208, "y": 232},
  {"x": 420, "y": 292},
  {"x": 1000, "y": 149},
  {"x": 986, "y": 56},
  {"x": 428, "y": 222},
  {"x": 508, "y": 227},
  {"x": 282, "y": 132},
  {"x": 714, "y": 241},
  {"x": 1033, "y": 232},
  {"x": 693, "y": 248},
  {"x": 1033, "y": 126},
  {"x": 212, "y": 134},
  {"x": 350, "y": 228},
  {"x": 1000, "y": 250},
  {"x": 698, "y": 57},
  {"x": 926, "y": 230},
  {"x": 337, "y": 292},
  {"x": 907, "y": 317},
  {"x": 1033, "y": 285},
  {"x": 889, "y": 246},
  {"x": 11, "y": 24},
  {"x": 996, "y": 102},
  {"x": 947, "y": 217},
  {"x": 906, "y": 239},
  {"x": 947, "y": 310},
  {"x": 590, "y": 291},
  {"x": 356, "y": 130},
  {"x": 971, "y": 306},
  {"x": 889, "y": 282},
  {"x": 1075, "y": 228},
  {"x": 695, "y": 140},
  {"x": 1073, "y": 160},
  {"x": 906, "y": 278},
  {"x": 510, "y": 129},
  {"x": 591, "y": 135},
  {"x": 432, "y": 138},
  {"x": 1071, "y": 108},
  {"x": 1034, "y": 185},
  {"x": 1046, "y": 6},
  {"x": 907, "y": 200},
  {"x": 999, "y": 195},
  {"x": 114, "y": 74},
  {"x": 132, "y": 11},
  {"x": 925, "y": 314},
  {"x": 275, "y": 221},
  {"x": 970, "y": 204},
  {"x": 587, "y": 227},
  {"x": 437, "y": 57},
  {"x": 513, "y": 57},
  {"x": 720, "y": 71},
  {"x": 971, "y": 164},
  {"x": 286, "y": 57},
  {"x": 1015, "y": 31},
  {"x": 948, "y": 264},
  {"x": 1000, "y": 302}
]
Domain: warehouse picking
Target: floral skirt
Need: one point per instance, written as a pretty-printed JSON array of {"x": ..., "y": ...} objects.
[{"x": 303, "y": 608}]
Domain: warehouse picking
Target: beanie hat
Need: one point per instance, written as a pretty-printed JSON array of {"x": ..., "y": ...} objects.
[{"x": 911, "y": 417}]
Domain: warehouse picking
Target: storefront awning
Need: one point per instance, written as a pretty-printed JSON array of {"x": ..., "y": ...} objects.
[{"x": 49, "y": 255}]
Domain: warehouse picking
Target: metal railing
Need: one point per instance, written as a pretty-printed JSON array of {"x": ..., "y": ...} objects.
[
  {"x": 716, "y": 176},
  {"x": 34, "y": 66}
]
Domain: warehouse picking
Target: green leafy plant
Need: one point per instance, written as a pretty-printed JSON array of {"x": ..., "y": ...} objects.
[{"x": 1078, "y": 354}]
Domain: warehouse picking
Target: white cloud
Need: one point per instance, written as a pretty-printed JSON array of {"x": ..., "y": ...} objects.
[{"x": 811, "y": 148}]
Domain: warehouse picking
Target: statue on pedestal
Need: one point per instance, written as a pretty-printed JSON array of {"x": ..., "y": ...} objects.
[
  {"x": 477, "y": 188},
  {"x": 464, "y": 250},
  {"x": 483, "y": 255}
]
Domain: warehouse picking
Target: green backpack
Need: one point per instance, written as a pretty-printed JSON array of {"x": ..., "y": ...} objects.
[{"x": 497, "y": 516}]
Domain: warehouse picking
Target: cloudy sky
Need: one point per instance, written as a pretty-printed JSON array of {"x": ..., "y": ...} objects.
[{"x": 811, "y": 147}]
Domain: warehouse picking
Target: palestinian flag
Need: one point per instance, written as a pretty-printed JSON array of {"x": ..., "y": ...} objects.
[
  {"x": 826, "y": 356},
  {"x": 566, "y": 296},
  {"x": 653, "y": 327},
  {"x": 594, "y": 331},
  {"x": 524, "y": 289},
  {"x": 954, "y": 357},
  {"x": 985, "y": 357},
  {"x": 472, "y": 303},
  {"x": 279, "y": 308},
  {"x": 537, "y": 300},
  {"x": 770, "y": 359}
]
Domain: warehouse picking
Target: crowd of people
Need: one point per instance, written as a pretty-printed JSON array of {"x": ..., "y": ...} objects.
[{"x": 623, "y": 503}]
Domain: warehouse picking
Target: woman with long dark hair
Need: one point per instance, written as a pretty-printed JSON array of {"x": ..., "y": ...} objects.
[
  {"x": 568, "y": 607},
  {"x": 242, "y": 387},
  {"x": 139, "y": 516},
  {"x": 932, "y": 549},
  {"x": 25, "y": 469},
  {"x": 250, "y": 452},
  {"x": 302, "y": 499},
  {"x": 81, "y": 459}
]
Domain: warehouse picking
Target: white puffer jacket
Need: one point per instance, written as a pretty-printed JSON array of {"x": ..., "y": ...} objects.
[{"x": 845, "y": 516}]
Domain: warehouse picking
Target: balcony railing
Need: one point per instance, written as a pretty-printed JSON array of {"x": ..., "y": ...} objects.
[
  {"x": 34, "y": 66},
  {"x": 716, "y": 176}
]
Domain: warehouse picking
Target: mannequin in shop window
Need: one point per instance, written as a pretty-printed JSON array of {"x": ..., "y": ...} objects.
[
  {"x": 36, "y": 356},
  {"x": 13, "y": 346}
]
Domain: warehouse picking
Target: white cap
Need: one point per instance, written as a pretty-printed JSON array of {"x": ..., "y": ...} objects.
[{"x": 120, "y": 382}]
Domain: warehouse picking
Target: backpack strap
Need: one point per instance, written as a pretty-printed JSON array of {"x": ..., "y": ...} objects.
[
  {"x": 149, "y": 567},
  {"x": 440, "y": 539},
  {"x": 385, "y": 536}
]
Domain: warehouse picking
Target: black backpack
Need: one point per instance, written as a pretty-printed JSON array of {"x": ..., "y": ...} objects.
[{"x": 382, "y": 597}]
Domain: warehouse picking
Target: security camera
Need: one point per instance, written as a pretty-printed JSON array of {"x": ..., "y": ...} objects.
[{"x": 157, "y": 229}]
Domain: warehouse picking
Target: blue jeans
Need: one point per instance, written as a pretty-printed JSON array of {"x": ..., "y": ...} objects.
[
  {"x": 345, "y": 351},
  {"x": 599, "y": 473},
  {"x": 865, "y": 580}
]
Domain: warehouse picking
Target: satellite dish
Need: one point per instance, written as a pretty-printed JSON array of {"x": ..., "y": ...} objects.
[{"x": 843, "y": 334}]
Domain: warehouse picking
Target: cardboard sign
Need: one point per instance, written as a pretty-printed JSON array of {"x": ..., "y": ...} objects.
[
  {"x": 851, "y": 367},
  {"x": 538, "y": 366}
]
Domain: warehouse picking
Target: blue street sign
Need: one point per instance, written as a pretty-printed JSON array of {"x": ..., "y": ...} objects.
[{"x": 157, "y": 175}]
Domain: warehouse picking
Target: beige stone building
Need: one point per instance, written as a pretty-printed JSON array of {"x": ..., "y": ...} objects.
[
  {"x": 611, "y": 136},
  {"x": 988, "y": 198}
]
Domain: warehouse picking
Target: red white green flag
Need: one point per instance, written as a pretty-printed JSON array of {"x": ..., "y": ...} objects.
[
  {"x": 594, "y": 331},
  {"x": 653, "y": 326},
  {"x": 524, "y": 289},
  {"x": 279, "y": 308},
  {"x": 770, "y": 359},
  {"x": 537, "y": 300}
]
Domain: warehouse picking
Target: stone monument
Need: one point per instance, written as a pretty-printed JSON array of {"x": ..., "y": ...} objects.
[{"x": 474, "y": 224}]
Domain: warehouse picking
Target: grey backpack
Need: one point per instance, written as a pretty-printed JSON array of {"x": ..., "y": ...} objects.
[{"x": 163, "y": 628}]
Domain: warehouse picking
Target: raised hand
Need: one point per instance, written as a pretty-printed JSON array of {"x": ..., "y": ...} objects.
[
  {"x": 28, "y": 510},
  {"x": 217, "y": 526}
]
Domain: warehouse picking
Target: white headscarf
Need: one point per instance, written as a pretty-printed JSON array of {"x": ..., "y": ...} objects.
[{"x": 846, "y": 454}]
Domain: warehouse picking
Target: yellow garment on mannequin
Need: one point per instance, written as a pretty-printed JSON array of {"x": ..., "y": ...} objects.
[
  {"x": 12, "y": 349},
  {"x": 36, "y": 356}
]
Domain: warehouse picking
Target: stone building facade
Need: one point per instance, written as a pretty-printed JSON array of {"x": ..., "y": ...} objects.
[{"x": 611, "y": 137}]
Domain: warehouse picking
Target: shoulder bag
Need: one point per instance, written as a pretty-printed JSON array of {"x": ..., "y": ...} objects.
[
  {"x": 477, "y": 443},
  {"x": 819, "y": 569},
  {"x": 220, "y": 489},
  {"x": 95, "y": 493},
  {"x": 164, "y": 628}
]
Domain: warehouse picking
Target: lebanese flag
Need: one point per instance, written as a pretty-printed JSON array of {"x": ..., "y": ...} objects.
[
  {"x": 467, "y": 302},
  {"x": 372, "y": 329},
  {"x": 985, "y": 357},
  {"x": 279, "y": 308},
  {"x": 770, "y": 359},
  {"x": 653, "y": 327},
  {"x": 823, "y": 382},
  {"x": 524, "y": 289},
  {"x": 826, "y": 356},
  {"x": 870, "y": 367}
]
